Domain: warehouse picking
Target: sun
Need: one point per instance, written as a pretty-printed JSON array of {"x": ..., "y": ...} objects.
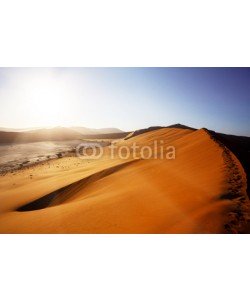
[{"x": 47, "y": 100}]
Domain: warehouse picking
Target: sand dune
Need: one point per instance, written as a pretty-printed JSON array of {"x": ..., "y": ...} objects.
[
  {"x": 94, "y": 131},
  {"x": 153, "y": 128},
  {"x": 58, "y": 134},
  {"x": 202, "y": 190},
  {"x": 166, "y": 135}
]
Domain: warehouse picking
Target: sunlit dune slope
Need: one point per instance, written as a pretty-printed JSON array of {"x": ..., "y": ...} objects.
[
  {"x": 154, "y": 128},
  {"x": 202, "y": 190},
  {"x": 163, "y": 136}
]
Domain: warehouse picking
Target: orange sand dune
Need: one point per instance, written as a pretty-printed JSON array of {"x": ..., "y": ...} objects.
[
  {"x": 202, "y": 190},
  {"x": 164, "y": 135}
]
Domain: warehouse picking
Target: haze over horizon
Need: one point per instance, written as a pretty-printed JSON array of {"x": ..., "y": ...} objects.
[{"x": 126, "y": 98}]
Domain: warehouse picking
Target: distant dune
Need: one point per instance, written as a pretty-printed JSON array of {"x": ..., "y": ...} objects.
[
  {"x": 93, "y": 131},
  {"x": 202, "y": 190},
  {"x": 58, "y": 134},
  {"x": 149, "y": 129},
  {"x": 117, "y": 135}
]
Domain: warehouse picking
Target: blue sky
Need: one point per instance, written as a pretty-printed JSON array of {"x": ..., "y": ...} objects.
[{"x": 127, "y": 98}]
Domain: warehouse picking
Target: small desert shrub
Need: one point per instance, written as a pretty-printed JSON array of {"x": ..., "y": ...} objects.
[{"x": 59, "y": 155}]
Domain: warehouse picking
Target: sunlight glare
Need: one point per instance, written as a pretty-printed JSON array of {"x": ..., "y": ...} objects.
[{"x": 47, "y": 99}]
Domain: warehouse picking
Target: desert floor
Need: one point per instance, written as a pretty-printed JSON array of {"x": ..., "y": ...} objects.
[{"x": 202, "y": 190}]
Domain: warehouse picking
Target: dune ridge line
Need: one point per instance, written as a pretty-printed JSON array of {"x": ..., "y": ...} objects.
[{"x": 237, "y": 189}]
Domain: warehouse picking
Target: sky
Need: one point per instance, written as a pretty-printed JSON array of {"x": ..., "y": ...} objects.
[{"x": 126, "y": 98}]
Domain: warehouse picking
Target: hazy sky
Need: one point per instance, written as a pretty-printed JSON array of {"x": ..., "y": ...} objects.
[{"x": 127, "y": 98}]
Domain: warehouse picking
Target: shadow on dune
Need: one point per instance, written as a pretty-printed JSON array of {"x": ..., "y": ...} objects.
[
  {"x": 61, "y": 195},
  {"x": 240, "y": 146}
]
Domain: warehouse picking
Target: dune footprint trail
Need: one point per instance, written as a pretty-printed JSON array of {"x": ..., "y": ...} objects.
[
  {"x": 238, "y": 218},
  {"x": 203, "y": 190}
]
